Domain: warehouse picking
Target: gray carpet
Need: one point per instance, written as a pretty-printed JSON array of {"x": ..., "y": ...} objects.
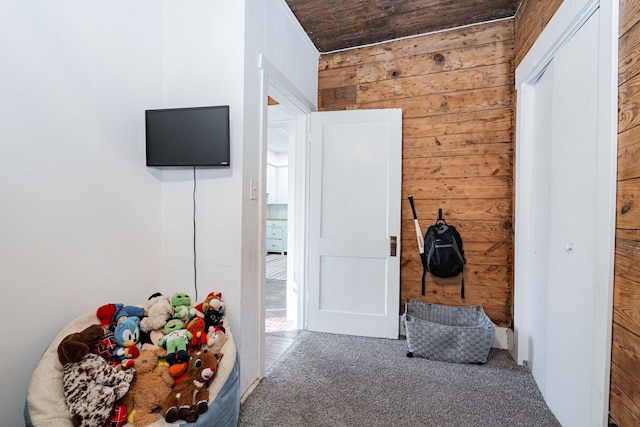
[{"x": 335, "y": 380}]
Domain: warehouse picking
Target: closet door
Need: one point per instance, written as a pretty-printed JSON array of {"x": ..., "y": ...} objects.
[
  {"x": 565, "y": 210},
  {"x": 571, "y": 262}
]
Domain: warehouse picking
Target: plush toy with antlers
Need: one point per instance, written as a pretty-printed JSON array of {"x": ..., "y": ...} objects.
[{"x": 190, "y": 398}]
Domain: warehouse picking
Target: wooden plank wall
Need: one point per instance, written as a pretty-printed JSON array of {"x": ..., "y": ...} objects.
[
  {"x": 456, "y": 90},
  {"x": 625, "y": 352},
  {"x": 532, "y": 17},
  {"x": 624, "y": 402}
]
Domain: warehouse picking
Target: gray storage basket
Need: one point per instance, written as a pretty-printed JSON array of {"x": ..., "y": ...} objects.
[{"x": 449, "y": 334}]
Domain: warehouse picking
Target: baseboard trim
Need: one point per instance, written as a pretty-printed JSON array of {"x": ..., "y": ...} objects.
[
  {"x": 503, "y": 338},
  {"x": 249, "y": 390}
]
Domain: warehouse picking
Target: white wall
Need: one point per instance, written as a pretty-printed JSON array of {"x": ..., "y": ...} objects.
[
  {"x": 79, "y": 211},
  {"x": 203, "y": 66},
  {"x": 272, "y": 33},
  {"x": 83, "y": 220},
  {"x": 213, "y": 61}
]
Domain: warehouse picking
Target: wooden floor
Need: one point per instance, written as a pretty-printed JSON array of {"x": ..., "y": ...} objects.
[
  {"x": 277, "y": 343},
  {"x": 279, "y": 333}
]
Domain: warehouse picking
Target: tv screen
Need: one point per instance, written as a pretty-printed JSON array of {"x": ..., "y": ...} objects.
[{"x": 197, "y": 136}]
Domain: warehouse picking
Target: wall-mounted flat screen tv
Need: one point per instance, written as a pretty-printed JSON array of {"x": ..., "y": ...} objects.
[{"x": 197, "y": 136}]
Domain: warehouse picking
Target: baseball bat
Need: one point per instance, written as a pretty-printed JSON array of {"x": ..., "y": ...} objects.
[{"x": 419, "y": 235}]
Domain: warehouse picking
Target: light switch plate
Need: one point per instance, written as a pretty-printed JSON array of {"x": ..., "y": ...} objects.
[{"x": 253, "y": 189}]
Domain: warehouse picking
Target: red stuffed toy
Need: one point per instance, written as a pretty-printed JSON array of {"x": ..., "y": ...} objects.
[
  {"x": 202, "y": 307},
  {"x": 198, "y": 334}
]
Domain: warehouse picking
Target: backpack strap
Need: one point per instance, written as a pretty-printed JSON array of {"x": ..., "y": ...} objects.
[
  {"x": 457, "y": 250},
  {"x": 425, "y": 266},
  {"x": 429, "y": 255}
]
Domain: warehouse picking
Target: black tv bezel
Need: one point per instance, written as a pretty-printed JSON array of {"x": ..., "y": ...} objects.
[{"x": 183, "y": 164}]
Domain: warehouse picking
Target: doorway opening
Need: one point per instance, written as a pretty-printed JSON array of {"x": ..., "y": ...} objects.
[
  {"x": 282, "y": 296},
  {"x": 281, "y": 96}
]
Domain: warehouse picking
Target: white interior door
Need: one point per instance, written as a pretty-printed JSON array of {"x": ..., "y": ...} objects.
[{"x": 354, "y": 214}]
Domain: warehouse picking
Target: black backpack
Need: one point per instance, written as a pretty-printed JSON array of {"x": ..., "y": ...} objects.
[{"x": 443, "y": 254}]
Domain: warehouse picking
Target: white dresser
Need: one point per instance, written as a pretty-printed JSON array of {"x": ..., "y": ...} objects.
[{"x": 277, "y": 235}]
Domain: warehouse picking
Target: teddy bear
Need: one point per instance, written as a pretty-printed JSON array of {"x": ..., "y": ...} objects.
[
  {"x": 127, "y": 336},
  {"x": 190, "y": 398},
  {"x": 91, "y": 386},
  {"x": 151, "y": 384},
  {"x": 175, "y": 341},
  {"x": 182, "y": 308},
  {"x": 159, "y": 311}
]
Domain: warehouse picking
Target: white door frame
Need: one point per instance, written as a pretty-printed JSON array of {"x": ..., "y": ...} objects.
[
  {"x": 276, "y": 83},
  {"x": 564, "y": 24}
]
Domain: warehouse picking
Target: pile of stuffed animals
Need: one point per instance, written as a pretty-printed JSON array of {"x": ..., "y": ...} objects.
[{"x": 137, "y": 364}]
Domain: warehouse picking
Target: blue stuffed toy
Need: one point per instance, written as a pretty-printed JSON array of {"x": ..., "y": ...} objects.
[{"x": 127, "y": 336}]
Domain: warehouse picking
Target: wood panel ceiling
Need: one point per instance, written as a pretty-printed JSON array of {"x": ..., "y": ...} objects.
[{"x": 341, "y": 24}]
